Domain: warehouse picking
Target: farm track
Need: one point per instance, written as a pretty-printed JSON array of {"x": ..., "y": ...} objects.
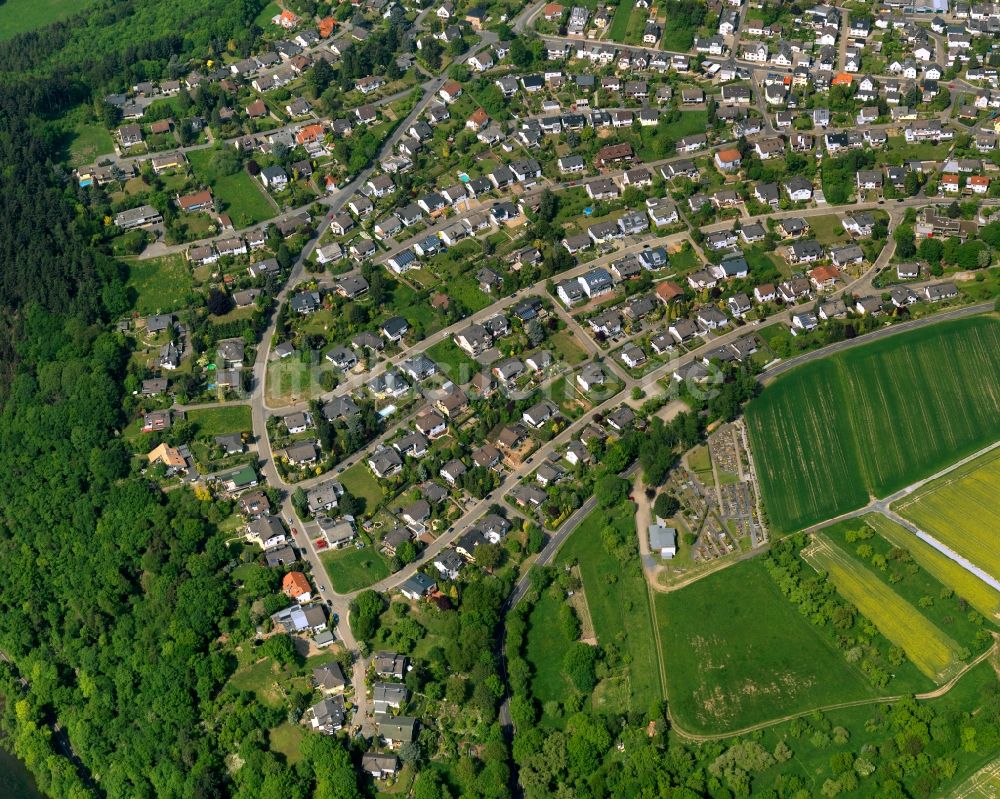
[{"x": 881, "y": 700}]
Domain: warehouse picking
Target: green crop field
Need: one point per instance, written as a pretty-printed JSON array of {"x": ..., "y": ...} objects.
[
  {"x": 927, "y": 647},
  {"x": 619, "y": 607},
  {"x": 19, "y": 16},
  {"x": 737, "y": 653},
  {"x": 871, "y": 420},
  {"x": 159, "y": 285},
  {"x": 981, "y": 596},
  {"x": 962, "y": 511},
  {"x": 221, "y": 420}
]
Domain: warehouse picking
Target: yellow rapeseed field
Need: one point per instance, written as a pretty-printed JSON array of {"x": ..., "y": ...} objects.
[{"x": 930, "y": 650}]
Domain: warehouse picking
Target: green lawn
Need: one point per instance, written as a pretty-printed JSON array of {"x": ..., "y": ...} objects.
[
  {"x": 159, "y": 285},
  {"x": 453, "y": 361},
  {"x": 565, "y": 346},
  {"x": 241, "y": 196},
  {"x": 690, "y": 122},
  {"x": 286, "y": 739},
  {"x": 350, "y": 569},
  {"x": 899, "y": 151},
  {"x": 260, "y": 679},
  {"x": 263, "y": 20},
  {"x": 361, "y": 483},
  {"x": 87, "y": 142},
  {"x": 824, "y": 227},
  {"x": 870, "y": 420},
  {"x": 737, "y": 653},
  {"x": 544, "y": 646},
  {"x": 619, "y": 23},
  {"x": 618, "y": 601},
  {"x": 684, "y": 260},
  {"x": 221, "y": 420},
  {"x": 19, "y": 16}
]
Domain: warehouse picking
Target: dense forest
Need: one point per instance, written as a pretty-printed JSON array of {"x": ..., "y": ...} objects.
[{"x": 116, "y": 597}]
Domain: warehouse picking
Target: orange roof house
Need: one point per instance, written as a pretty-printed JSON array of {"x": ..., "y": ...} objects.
[
  {"x": 553, "y": 11},
  {"x": 729, "y": 158},
  {"x": 326, "y": 26},
  {"x": 310, "y": 133},
  {"x": 979, "y": 184},
  {"x": 824, "y": 276},
  {"x": 668, "y": 291},
  {"x": 296, "y": 586},
  {"x": 195, "y": 201},
  {"x": 286, "y": 19},
  {"x": 842, "y": 79},
  {"x": 478, "y": 119},
  {"x": 168, "y": 456}
]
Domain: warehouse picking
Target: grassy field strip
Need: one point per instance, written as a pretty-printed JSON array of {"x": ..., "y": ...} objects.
[
  {"x": 871, "y": 420},
  {"x": 965, "y": 584},
  {"x": 930, "y": 650},
  {"x": 962, "y": 512}
]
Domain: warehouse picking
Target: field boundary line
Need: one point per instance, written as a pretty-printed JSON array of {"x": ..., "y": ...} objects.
[{"x": 880, "y": 700}]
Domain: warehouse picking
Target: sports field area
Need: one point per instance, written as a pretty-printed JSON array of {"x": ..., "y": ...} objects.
[
  {"x": 873, "y": 419},
  {"x": 962, "y": 511},
  {"x": 927, "y": 647},
  {"x": 737, "y": 653},
  {"x": 946, "y": 571}
]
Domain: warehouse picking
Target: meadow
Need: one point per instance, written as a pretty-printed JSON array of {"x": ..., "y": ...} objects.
[
  {"x": 962, "y": 510},
  {"x": 873, "y": 419},
  {"x": 737, "y": 653},
  {"x": 544, "y": 647},
  {"x": 927, "y": 647},
  {"x": 350, "y": 569},
  {"x": 240, "y": 194},
  {"x": 159, "y": 285},
  {"x": 965, "y": 584},
  {"x": 20, "y": 16},
  {"x": 619, "y": 607},
  {"x": 361, "y": 483},
  {"x": 221, "y": 420}
]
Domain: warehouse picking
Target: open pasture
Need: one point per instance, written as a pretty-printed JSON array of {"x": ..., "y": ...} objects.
[
  {"x": 737, "y": 653},
  {"x": 873, "y": 419},
  {"x": 962, "y": 511},
  {"x": 965, "y": 584},
  {"x": 618, "y": 601},
  {"x": 927, "y": 647}
]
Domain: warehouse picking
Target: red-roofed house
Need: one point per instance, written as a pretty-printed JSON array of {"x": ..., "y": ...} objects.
[
  {"x": 286, "y": 19},
  {"x": 451, "y": 91},
  {"x": 729, "y": 159},
  {"x": 196, "y": 201},
  {"x": 478, "y": 120},
  {"x": 296, "y": 587},
  {"x": 310, "y": 133},
  {"x": 257, "y": 109},
  {"x": 823, "y": 277},
  {"x": 326, "y": 26},
  {"x": 553, "y": 11},
  {"x": 979, "y": 184},
  {"x": 668, "y": 291}
]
